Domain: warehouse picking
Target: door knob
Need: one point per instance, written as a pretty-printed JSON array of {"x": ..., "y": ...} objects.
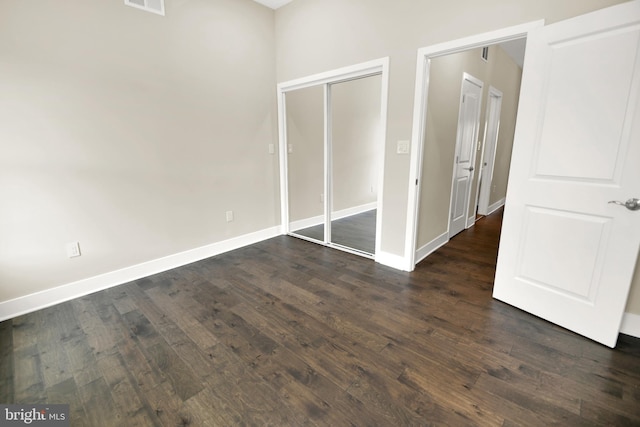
[
  {"x": 631, "y": 204},
  {"x": 470, "y": 169}
]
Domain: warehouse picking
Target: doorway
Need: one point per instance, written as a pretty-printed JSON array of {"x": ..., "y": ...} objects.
[
  {"x": 428, "y": 109},
  {"x": 332, "y": 128}
]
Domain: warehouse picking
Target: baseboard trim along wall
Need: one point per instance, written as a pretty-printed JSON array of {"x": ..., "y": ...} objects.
[
  {"x": 344, "y": 213},
  {"x": 432, "y": 246},
  {"x": 391, "y": 260},
  {"x": 495, "y": 206},
  {"x": 37, "y": 301},
  {"x": 630, "y": 325}
]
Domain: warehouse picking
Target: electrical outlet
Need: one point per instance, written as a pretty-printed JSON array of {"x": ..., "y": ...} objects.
[
  {"x": 321, "y": 198},
  {"x": 272, "y": 149},
  {"x": 73, "y": 249},
  {"x": 229, "y": 216}
]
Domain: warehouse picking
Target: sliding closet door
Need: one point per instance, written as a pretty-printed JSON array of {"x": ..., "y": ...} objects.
[
  {"x": 305, "y": 162},
  {"x": 354, "y": 147}
]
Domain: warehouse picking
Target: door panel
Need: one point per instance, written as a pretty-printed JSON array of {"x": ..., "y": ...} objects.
[
  {"x": 355, "y": 161},
  {"x": 494, "y": 109},
  {"x": 566, "y": 254},
  {"x": 466, "y": 142},
  {"x": 305, "y": 152}
]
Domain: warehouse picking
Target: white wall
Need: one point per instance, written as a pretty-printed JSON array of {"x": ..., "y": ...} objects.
[{"x": 131, "y": 133}]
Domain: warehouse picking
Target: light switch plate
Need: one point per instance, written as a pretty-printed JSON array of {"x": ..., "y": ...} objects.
[{"x": 403, "y": 147}]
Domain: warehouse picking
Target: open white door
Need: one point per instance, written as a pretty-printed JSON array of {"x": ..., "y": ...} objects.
[
  {"x": 566, "y": 253},
  {"x": 466, "y": 143}
]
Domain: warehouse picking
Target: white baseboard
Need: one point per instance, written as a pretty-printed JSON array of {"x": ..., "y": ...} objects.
[
  {"x": 354, "y": 210},
  {"x": 495, "y": 206},
  {"x": 432, "y": 246},
  {"x": 394, "y": 261},
  {"x": 630, "y": 325},
  {"x": 344, "y": 213},
  {"x": 37, "y": 301},
  {"x": 306, "y": 223}
]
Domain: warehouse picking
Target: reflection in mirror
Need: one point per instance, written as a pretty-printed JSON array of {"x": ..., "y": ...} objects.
[
  {"x": 305, "y": 160},
  {"x": 355, "y": 161}
]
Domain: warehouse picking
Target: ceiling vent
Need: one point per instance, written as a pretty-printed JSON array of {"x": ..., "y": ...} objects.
[{"x": 153, "y": 6}]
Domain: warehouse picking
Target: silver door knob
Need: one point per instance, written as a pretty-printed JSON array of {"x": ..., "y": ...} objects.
[{"x": 631, "y": 204}]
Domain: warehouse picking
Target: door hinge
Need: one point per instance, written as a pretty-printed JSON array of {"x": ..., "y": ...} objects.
[{"x": 416, "y": 181}]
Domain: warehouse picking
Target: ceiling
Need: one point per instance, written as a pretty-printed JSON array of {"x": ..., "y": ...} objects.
[
  {"x": 515, "y": 49},
  {"x": 273, "y": 4}
]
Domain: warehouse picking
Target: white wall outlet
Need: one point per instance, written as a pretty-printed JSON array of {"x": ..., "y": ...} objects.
[
  {"x": 272, "y": 149},
  {"x": 403, "y": 147},
  {"x": 321, "y": 198},
  {"x": 229, "y": 216},
  {"x": 73, "y": 249},
  {"x": 290, "y": 148}
]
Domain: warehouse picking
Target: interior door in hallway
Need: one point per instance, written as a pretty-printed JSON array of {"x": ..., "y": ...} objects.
[{"x": 466, "y": 143}]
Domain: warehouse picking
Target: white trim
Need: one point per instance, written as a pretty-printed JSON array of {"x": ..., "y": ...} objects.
[
  {"x": 391, "y": 260},
  {"x": 495, "y": 206},
  {"x": 365, "y": 69},
  {"x": 630, "y": 325},
  {"x": 344, "y": 213},
  {"x": 432, "y": 246},
  {"x": 39, "y": 300},
  {"x": 420, "y": 110},
  {"x": 319, "y": 219},
  {"x": 301, "y": 224}
]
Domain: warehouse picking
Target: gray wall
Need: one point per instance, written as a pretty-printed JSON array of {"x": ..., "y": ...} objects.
[{"x": 131, "y": 133}]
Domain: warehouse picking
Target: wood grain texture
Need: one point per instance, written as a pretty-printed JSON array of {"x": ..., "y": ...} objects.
[{"x": 286, "y": 332}]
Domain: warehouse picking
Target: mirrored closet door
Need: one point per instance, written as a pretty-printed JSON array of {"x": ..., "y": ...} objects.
[{"x": 334, "y": 153}]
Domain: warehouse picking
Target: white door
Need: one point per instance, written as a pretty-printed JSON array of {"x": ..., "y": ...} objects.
[
  {"x": 566, "y": 253},
  {"x": 466, "y": 142},
  {"x": 494, "y": 107}
]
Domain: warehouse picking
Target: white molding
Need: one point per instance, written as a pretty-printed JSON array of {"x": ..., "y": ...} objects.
[
  {"x": 301, "y": 224},
  {"x": 319, "y": 219},
  {"x": 47, "y": 298},
  {"x": 391, "y": 260},
  {"x": 344, "y": 213},
  {"x": 630, "y": 325},
  {"x": 495, "y": 206},
  {"x": 432, "y": 246},
  {"x": 420, "y": 110}
]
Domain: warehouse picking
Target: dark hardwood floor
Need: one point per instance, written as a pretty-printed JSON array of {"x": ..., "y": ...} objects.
[
  {"x": 356, "y": 232},
  {"x": 289, "y": 333}
]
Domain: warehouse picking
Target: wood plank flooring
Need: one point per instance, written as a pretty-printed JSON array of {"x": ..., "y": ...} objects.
[{"x": 289, "y": 333}]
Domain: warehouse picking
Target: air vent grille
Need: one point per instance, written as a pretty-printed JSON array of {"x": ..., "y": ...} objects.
[{"x": 153, "y": 6}]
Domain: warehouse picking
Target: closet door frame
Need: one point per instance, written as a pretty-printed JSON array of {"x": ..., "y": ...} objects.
[{"x": 366, "y": 69}]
